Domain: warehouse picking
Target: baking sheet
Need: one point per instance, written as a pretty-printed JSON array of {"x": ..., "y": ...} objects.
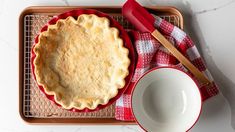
[{"x": 34, "y": 106}]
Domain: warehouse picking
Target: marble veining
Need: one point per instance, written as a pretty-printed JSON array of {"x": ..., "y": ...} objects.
[
  {"x": 66, "y": 2},
  {"x": 78, "y": 130},
  {"x": 215, "y": 8},
  {"x": 130, "y": 129}
]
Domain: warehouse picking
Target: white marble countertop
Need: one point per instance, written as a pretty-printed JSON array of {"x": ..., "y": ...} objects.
[{"x": 210, "y": 23}]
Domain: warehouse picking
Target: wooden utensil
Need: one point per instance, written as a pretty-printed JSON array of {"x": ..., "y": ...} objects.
[{"x": 144, "y": 22}]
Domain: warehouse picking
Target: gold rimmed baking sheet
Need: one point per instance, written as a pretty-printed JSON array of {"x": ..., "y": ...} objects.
[{"x": 34, "y": 107}]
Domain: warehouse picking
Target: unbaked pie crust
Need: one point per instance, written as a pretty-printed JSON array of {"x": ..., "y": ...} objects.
[{"x": 82, "y": 62}]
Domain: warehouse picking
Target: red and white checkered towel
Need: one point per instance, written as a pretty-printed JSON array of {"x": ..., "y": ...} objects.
[{"x": 152, "y": 54}]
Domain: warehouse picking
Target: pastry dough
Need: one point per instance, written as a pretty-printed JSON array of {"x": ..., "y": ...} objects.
[{"x": 82, "y": 62}]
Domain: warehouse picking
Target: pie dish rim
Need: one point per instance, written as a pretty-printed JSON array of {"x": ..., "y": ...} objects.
[{"x": 122, "y": 34}]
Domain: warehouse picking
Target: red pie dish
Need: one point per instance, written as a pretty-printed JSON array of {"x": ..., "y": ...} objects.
[{"x": 58, "y": 61}]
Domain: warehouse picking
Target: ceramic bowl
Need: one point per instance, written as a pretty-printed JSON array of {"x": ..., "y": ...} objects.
[{"x": 166, "y": 100}]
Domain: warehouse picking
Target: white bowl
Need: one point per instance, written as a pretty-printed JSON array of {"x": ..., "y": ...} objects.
[{"x": 166, "y": 100}]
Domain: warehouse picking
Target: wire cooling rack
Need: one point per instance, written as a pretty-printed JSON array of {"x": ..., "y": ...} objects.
[{"x": 35, "y": 104}]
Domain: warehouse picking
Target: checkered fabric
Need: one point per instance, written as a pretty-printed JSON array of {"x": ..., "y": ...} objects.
[{"x": 151, "y": 53}]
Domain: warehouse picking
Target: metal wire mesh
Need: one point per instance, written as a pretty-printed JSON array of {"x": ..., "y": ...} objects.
[{"x": 35, "y": 104}]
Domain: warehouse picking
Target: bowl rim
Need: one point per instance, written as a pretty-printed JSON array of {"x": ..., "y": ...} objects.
[
  {"x": 169, "y": 67},
  {"x": 122, "y": 34}
]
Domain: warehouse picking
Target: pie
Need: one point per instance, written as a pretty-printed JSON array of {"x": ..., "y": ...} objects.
[{"x": 82, "y": 62}]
